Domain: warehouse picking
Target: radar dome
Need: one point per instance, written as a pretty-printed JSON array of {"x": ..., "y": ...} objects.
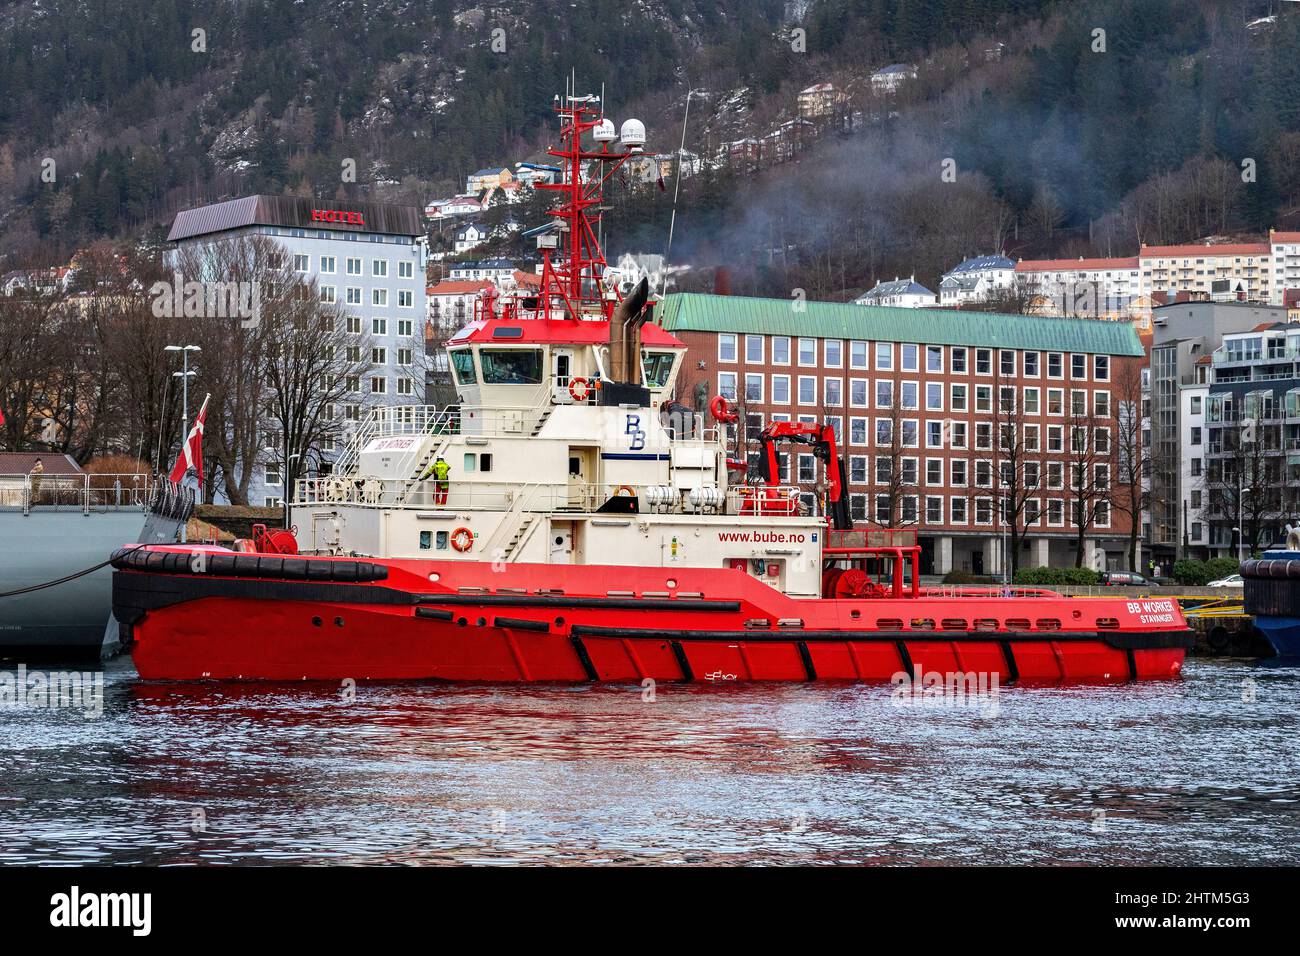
[
  {"x": 633, "y": 133},
  {"x": 603, "y": 132}
]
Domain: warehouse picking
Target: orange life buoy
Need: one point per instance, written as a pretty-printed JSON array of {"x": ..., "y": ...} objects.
[
  {"x": 573, "y": 389},
  {"x": 625, "y": 490},
  {"x": 721, "y": 409},
  {"x": 462, "y": 539}
]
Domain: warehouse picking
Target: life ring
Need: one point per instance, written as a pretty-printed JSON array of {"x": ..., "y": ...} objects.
[
  {"x": 573, "y": 389},
  {"x": 462, "y": 539},
  {"x": 625, "y": 490},
  {"x": 721, "y": 409}
]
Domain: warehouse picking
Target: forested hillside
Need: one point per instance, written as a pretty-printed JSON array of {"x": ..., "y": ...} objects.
[{"x": 115, "y": 115}]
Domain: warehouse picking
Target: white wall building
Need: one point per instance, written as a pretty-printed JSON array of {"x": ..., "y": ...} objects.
[
  {"x": 976, "y": 279},
  {"x": 369, "y": 258},
  {"x": 901, "y": 293}
]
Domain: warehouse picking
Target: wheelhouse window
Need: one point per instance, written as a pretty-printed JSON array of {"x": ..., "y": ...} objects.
[
  {"x": 462, "y": 361},
  {"x": 658, "y": 367},
  {"x": 511, "y": 366}
]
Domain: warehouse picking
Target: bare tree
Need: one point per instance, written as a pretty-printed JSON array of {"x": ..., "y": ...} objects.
[
  {"x": 1017, "y": 464},
  {"x": 274, "y": 378},
  {"x": 1090, "y": 464},
  {"x": 1244, "y": 487},
  {"x": 895, "y": 436},
  {"x": 1132, "y": 457}
]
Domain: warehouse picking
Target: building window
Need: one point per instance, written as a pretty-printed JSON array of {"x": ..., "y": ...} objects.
[
  {"x": 1056, "y": 401},
  {"x": 832, "y": 390},
  {"x": 833, "y": 349},
  {"x": 934, "y": 396},
  {"x": 378, "y": 326},
  {"x": 807, "y": 390},
  {"x": 957, "y": 470},
  {"x": 379, "y": 297},
  {"x": 884, "y": 433},
  {"x": 933, "y": 510},
  {"x": 301, "y": 263},
  {"x": 884, "y": 394},
  {"x": 404, "y": 356},
  {"x": 808, "y": 352},
  {"x": 329, "y": 294},
  {"x": 273, "y": 476},
  {"x": 353, "y": 295},
  {"x": 934, "y": 358},
  {"x": 726, "y": 347},
  {"x": 378, "y": 385},
  {"x": 753, "y": 387},
  {"x": 1055, "y": 365},
  {"x": 403, "y": 386},
  {"x": 780, "y": 389},
  {"x": 379, "y": 356},
  {"x": 957, "y": 511},
  {"x": 857, "y": 431},
  {"x": 780, "y": 350},
  {"x": 1078, "y": 366},
  {"x": 858, "y": 469},
  {"x": 327, "y": 265},
  {"x": 1101, "y": 368},
  {"x": 857, "y": 354},
  {"x": 958, "y": 394},
  {"x": 983, "y": 361},
  {"x": 379, "y": 268},
  {"x": 957, "y": 430},
  {"x": 934, "y": 434},
  {"x": 727, "y": 385},
  {"x": 884, "y": 356},
  {"x": 1031, "y": 364},
  {"x": 353, "y": 266},
  {"x": 754, "y": 349},
  {"x": 958, "y": 360},
  {"x": 934, "y": 471},
  {"x": 404, "y": 327},
  {"x": 405, "y": 270},
  {"x": 983, "y": 511},
  {"x": 1007, "y": 362},
  {"x": 807, "y": 468},
  {"x": 908, "y": 396},
  {"x": 911, "y": 358},
  {"x": 983, "y": 398},
  {"x": 858, "y": 392}
]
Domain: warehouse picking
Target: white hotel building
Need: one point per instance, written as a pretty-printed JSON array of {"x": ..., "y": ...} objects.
[{"x": 367, "y": 257}]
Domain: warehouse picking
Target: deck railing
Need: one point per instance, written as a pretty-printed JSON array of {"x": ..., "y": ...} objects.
[
  {"x": 741, "y": 500},
  {"x": 85, "y": 492}
]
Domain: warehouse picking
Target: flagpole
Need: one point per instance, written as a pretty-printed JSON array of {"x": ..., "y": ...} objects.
[{"x": 184, "y": 376}]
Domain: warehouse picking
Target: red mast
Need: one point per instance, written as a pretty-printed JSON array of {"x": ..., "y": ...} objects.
[{"x": 573, "y": 285}]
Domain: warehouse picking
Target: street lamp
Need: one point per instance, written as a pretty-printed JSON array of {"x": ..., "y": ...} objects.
[
  {"x": 184, "y": 375},
  {"x": 1237, "y": 532},
  {"x": 284, "y": 488}
]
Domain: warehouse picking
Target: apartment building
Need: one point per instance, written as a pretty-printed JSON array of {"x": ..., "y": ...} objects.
[
  {"x": 1082, "y": 286},
  {"x": 911, "y": 394},
  {"x": 368, "y": 258},
  {"x": 1187, "y": 336},
  {"x": 1251, "y": 484}
]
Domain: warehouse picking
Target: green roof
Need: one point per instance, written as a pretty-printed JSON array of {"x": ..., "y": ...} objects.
[{"x": 696, "y": 312}]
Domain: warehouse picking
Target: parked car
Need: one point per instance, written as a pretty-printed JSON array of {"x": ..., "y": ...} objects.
[
  {"x": 1126, "y": 579},
  {"x": 1231, "y": 581}
]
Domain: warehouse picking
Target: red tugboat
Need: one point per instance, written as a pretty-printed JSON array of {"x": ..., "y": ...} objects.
[{"x": 587, "y": 534}]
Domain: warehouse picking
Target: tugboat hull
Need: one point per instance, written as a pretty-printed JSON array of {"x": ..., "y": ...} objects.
[{"x": 334, "y": 619}]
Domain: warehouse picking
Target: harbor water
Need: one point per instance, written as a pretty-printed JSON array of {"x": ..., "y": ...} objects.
[{"x": 1203, "y": 770}]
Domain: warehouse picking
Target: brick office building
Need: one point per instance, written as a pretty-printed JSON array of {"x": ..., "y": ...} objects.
[{"x": 933, "y": 378}]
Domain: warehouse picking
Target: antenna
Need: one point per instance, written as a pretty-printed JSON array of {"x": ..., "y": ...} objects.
[{"x": 677, "y": 186}]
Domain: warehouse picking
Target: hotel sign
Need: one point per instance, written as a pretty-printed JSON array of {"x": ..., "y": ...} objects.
[{"x": 338, "y": 216}]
